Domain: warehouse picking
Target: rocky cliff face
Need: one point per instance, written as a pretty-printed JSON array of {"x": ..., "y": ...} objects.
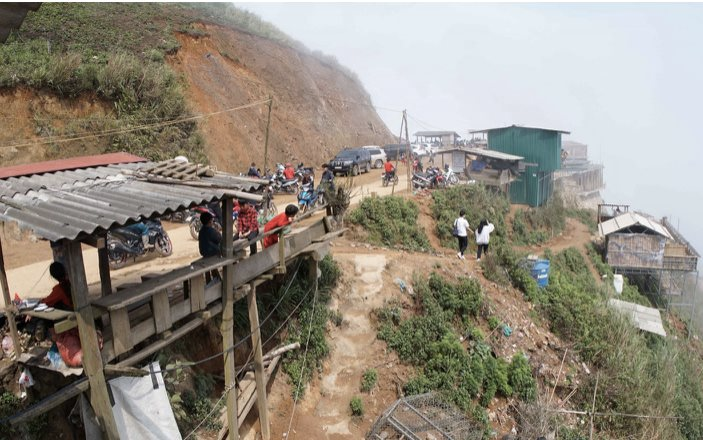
[{"x": 316, "y": 108}]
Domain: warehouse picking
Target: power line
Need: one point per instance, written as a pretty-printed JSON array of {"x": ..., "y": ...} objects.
[{"x": 86, "y": 135}]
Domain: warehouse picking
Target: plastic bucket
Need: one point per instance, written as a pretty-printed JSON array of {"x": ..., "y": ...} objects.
[{"x": 540, "y": 272}]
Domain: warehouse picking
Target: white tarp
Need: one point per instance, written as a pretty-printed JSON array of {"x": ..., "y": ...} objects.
[{"x": 141, "y": 411}]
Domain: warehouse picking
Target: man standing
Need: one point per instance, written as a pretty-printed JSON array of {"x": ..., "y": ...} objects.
[
  {"x": 248, "y": 223},
  {"x": 282, "y": 219}
]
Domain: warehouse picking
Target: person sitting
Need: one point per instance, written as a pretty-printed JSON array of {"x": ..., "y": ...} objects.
[
  {"x": 248, "y": 223},
  {"x": 253, "y": 171},
  {"x": 282, "y": 219},
  {"x": 209, "y": 243},
  {"x": 389, "y": 169},
  {"x": 307, "y": 182},
  {"x": 289, "y": 172},
  {"x": 59, "y": 298}
]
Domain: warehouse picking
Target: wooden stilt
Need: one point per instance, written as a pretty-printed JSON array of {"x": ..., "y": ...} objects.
[
  {"x": 92, "y": 361},
  {"x": 9, "y": 308},
  {"x": 104, "y": 266},
  {"x": 281, "y": 253},
  {"x": 227, "y": 327},
  {"x": 261, "y": 400}
]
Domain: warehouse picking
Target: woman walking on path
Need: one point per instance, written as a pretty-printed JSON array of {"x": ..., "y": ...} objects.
[
  {"x": 461, "y": 226},
  {"x": 483, "y": 235}
]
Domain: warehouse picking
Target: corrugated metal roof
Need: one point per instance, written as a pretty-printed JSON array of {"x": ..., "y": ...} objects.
[
  {"x": 644, "y": 318},
  {"x": 68, "y": 164},
  {"x": 12, "y": 15},
  {"x": 485, "y": 130},
  {"x": 491, "y": 153},
  {"x": 77, "y": 203},
  {"x": 436, "y": 133},
  {"x": 629, "y": 219}
]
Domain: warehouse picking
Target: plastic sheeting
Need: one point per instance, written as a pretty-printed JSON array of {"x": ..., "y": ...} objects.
[{"x": 141, "y": 407}]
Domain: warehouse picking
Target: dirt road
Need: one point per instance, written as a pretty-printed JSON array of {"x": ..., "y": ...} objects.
[{"x": 28, "y": 261}]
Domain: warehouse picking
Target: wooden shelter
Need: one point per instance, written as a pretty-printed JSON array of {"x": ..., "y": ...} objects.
[
  {"x": 492, "y": 168},
  {"x": 78, "y": 201}
]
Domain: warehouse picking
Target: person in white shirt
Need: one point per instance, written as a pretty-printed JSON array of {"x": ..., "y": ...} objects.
[
  {"x": 462, "y": 226},
  {"x": 483, "y": 235}
]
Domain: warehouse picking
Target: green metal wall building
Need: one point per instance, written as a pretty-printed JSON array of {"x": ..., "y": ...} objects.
[{"x": 541, "y": 148}]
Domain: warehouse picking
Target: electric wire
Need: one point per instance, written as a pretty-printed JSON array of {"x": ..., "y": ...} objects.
[
  {"x": 302, "y": 368},
  {"x": 86, "y": 135}
]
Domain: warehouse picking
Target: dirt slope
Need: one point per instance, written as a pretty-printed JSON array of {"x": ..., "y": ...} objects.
[{"x": 316, "y": 111}]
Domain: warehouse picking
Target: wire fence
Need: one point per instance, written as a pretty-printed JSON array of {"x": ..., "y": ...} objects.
[{"x": 424, "y": 416}]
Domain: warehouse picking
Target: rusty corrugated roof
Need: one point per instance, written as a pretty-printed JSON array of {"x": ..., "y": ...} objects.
[
  {"x": 73, "y": 204},
  {"x": 68, "y": 164}
]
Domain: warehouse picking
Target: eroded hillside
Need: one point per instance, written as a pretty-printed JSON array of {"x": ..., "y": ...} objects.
[{"x": 79, "y": 78}]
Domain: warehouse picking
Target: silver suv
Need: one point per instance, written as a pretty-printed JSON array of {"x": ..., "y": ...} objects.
[{"x": 378, "y": 156}]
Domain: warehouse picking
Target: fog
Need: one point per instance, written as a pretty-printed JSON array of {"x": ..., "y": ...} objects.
[{"x": 623, "y": 78}]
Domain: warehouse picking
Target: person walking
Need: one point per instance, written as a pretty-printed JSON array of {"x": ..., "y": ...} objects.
[
  {"x": 461, "y": 226},
  {"x": 483, "y": 235}
]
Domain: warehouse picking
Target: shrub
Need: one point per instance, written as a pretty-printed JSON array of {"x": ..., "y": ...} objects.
[
  {"x": 368, "y": 380},
  {"x": 537, "y": 225},
  {"x": 390, "y": 221},
  {"x": 520, "y": 378},
  {"x": 493, "y": 322},
  {"x": 357, "y": 406},
  {"x": 461, "y": 299}
]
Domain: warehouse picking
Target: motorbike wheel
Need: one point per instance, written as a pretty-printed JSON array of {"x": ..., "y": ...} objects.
[
  {"x": 395, "y": 179},
  {"x": 178, "y": 217},
  {"x": 164, "y": 246},
  {"x": 453, "y": 180},
  {"x": 117, "y": 259},
  {"x": 195, "y": 226},
  {"x": 385, "y": 181}
]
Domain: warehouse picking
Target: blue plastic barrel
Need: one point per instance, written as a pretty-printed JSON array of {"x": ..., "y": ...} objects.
[{"x": 540, "y": 272}]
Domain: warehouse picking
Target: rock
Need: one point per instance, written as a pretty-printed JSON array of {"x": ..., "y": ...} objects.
[{"x": 430, "y": 437}]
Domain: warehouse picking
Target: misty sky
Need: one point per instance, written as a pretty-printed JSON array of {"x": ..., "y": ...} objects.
[{"x": 623, "y": 78}]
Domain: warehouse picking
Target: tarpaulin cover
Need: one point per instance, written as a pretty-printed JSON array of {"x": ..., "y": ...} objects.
[{"x": 141, "y": 410}]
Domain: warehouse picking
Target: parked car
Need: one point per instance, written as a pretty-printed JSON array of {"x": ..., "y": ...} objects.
[
  {"x": 351, "y": 161},
  {"x": 378, "y": 156},
  {"x": 394, "y": 151}
]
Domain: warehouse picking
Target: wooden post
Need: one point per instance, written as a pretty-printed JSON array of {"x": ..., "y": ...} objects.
[
  {"x": 104, "y": 266},
  {"x": 92, "y": 361},
  {"x": 281, "y": 252},
  {"x": 312, "y": 270},
  {"x": 227, "y": 326},
  {"x": 9, "y": 308},
  {"x": 261, "y": 400}
]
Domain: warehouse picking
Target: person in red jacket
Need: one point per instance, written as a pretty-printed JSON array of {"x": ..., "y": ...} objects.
[
  {"x": 60, "y": 296},
  {"x": 289, "y": 172},
  {"x": 282, "y": 219}
]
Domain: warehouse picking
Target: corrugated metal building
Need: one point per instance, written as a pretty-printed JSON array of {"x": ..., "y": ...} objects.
[{"x": 541, "y": 148}]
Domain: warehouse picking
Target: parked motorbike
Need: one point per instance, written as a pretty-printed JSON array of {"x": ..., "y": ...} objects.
[
  {"x": 309, "y": 198},
  {"x": 302, "y": 171},
  {"x": 450, "y": 175},
  {"x": 388, "y": 178},
  {"x": 125, "y": 243},
  {"x": 195, "y": 224},
  {"x": 433, "y": 178}
]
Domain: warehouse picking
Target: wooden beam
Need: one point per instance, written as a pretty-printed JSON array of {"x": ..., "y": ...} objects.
[
  {"x": 161, "y": 309},
  {"x": 197, "y": 293},
  {"x": 92, "y": 362},
  {"x": 114, "y": 370},
  {"x": 227, "y": 326},
  {"x": 68, "y": 392},
  {"x": 9, "y": 306},
  {"x": 104, "y": 266},
  {"x": 258, "y": 364}
]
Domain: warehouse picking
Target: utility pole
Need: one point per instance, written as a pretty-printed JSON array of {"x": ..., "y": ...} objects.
[
  {"x": 266, "y": 154},
  {"x": 397, "y": 156},
  {"x": 408, "y": 153}
]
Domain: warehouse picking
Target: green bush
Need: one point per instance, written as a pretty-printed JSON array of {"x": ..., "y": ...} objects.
[
  {"x": 461, "y": 299},
  {"x": 357, "y": 406},
  {"x": 493, "y": 322},
  {"x": 368, "y": 380},
  {"x": 479, "y": 202},
  {"x": 390, "y": 221},
  {"x": 537, "y": 225},
  {"x": 520, "y": 378}
]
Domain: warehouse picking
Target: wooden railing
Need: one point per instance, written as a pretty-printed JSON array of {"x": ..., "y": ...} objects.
[{"x": 153, "y": 306}]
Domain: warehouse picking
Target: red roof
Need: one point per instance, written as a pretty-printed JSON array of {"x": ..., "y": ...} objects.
[{"x": 68, "y": 164}]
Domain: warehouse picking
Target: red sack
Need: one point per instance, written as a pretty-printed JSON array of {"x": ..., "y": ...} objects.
[{"x": 69, "y": 345}]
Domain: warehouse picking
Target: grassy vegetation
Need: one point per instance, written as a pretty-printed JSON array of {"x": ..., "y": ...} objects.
[
  {"x": 357, "y": 406},
  {"x": 480, "y": 203},
  {"x": 309, "y": 327},
  {"x": 390, "y": 221},
  {"x": 369, "y": 379},
  {"x": 429, "y": 340},
  {"x": 537, "y": 225},
  {"x": 31, "y": 430}
]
